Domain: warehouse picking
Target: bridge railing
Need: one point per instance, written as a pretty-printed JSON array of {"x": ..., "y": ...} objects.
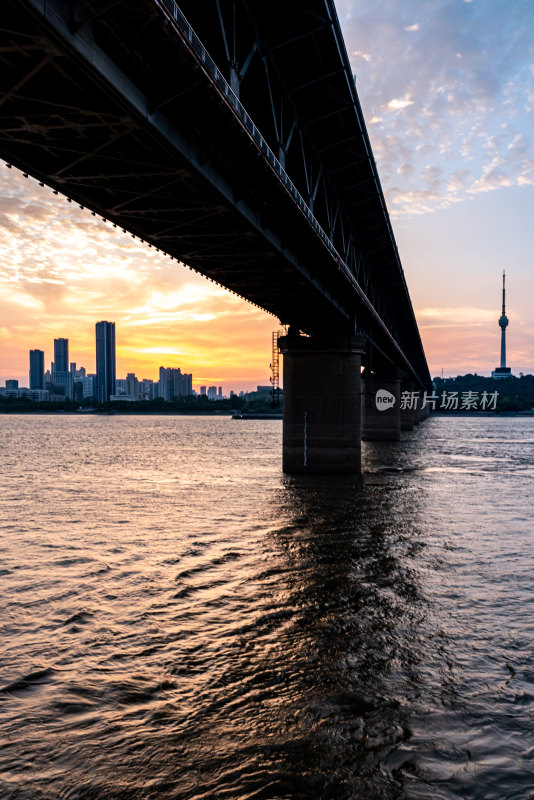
[
  {"x": 224, "y": 87},
  {"x": 211, "y": 69}
]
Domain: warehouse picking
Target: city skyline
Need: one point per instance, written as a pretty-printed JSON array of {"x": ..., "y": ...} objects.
[
  {"x": 103, "y": 385},
  {"x": 451, "y": 135},
  {"x": 105, "y": 342}
]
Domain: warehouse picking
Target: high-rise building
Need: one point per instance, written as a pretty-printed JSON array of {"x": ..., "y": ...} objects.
[
  {"x": 503, "y": 371},
  {"x": 173, "y": 383},
  {"x": 88, "y": 386},
  {"x": 36, "y": 369},
  {"x": 61, "y": 355},
  {"x": 132, "y": 385},
  {"x": 147, "y": 389},
  {"x": 105, "y": 360},
  {"x": 61, "y": 376}
]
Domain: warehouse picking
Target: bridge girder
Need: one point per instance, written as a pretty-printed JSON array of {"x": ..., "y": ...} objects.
[{"x": 127, "y": 135}]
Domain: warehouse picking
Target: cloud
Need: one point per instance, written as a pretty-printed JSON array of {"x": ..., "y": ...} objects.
[
  {"x": 458, "y": 82},
  {"x": 61, "y": 270},
  {"x": 454, "y": 316},
  {"x": 359, "y": 54},
  {"x": 399, "y": 103}
]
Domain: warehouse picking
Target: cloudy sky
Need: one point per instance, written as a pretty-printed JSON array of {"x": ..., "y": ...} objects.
[{"x": 447, "y": 88}]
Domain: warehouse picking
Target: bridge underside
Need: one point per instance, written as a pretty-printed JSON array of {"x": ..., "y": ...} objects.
[
  {"x": 157, "y": 180},
  {"x": 120, "y": 109}
]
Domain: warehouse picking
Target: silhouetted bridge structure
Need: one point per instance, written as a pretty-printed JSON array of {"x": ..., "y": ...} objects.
[{"x": 229, "y": 135}]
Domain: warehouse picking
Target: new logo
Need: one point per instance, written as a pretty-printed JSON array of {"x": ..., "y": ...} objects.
[{"x": 384, "y": 400}]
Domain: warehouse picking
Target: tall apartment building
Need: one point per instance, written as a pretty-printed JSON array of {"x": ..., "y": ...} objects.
[
  {"x": 105, "y": 360},
  {"x": 61, "y": 355},
  {"x": 173, "y": 383},
  {"x": 61, "y": 376},
  {"x": 37, "y": 369},
  {"x": 132, "y": 386}
]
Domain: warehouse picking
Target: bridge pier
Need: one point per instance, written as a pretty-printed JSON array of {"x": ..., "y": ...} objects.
[
  {"x": 408, "y": 415},
  {"x": 407, "y": 419},
  {"x": 381, "y": 414},
  {"x": 322, "y": 403}
]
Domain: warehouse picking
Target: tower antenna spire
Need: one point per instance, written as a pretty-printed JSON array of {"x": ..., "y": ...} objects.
[{"x": 503, "y": 371}]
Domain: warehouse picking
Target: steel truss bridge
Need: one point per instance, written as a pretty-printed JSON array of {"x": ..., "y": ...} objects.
[{"x": 227, "y": 134}]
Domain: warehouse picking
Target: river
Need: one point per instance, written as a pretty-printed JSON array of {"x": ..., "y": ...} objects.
[{"x": 181, "y": 620}]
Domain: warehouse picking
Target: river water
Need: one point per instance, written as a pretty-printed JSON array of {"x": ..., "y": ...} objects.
[{"x": 181, "y": 620}]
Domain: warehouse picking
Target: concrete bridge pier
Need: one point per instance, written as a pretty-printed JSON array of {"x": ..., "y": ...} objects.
[
  {"x": 322, "y": 403},
  {"x": 407, "y": 419},
  {"x": 381, "y": 414}
]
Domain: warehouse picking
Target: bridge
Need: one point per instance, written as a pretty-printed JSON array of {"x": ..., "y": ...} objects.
[{"x": 229, "y": 135}]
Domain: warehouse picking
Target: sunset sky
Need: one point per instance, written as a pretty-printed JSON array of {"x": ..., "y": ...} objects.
[{"x": 447, "y": 89}]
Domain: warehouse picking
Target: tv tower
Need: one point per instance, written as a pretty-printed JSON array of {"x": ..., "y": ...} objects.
[{"x": 503, "y": 371}]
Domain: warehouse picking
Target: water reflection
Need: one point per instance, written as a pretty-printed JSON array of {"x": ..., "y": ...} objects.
[
  {"x": 233, "y": 633},
  {"x": 317, "y": 692},
  {"x": 354, "y": 643}
]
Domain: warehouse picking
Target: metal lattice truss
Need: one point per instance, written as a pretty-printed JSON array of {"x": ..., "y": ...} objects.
[{"x": 236, "y": 145}]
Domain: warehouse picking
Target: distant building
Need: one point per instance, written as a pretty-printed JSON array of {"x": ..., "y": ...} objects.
[
  {"x": 61, "y": 355},
  {"x": 37, "y": 369},
  {"x": 12, "y": 385},
  {"x": 105, "y": 360},
  {"x": 202, "y": 390},
  {"x": 61, "y": 375},
  {"x": 147, "y": 389},
  {"x": 127, "y": 398},
  {"x": 220, "y": 395},
  {"x": 503, "y": 371},
  {"x": 38, "y": 395},
  {"x": 88, "y": 386},
  {"x": 132, "y": 386},
  {"x": 173, "y": 383},
  {"x": 212, "y": 393},
  {"x": 62, "y": 384}
]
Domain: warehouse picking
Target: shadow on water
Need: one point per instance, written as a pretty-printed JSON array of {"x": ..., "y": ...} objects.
[
  {"x": 335, "y": 664},
  {"x": 293, "y": 675},
  {"x": 352, "y": 549}
]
